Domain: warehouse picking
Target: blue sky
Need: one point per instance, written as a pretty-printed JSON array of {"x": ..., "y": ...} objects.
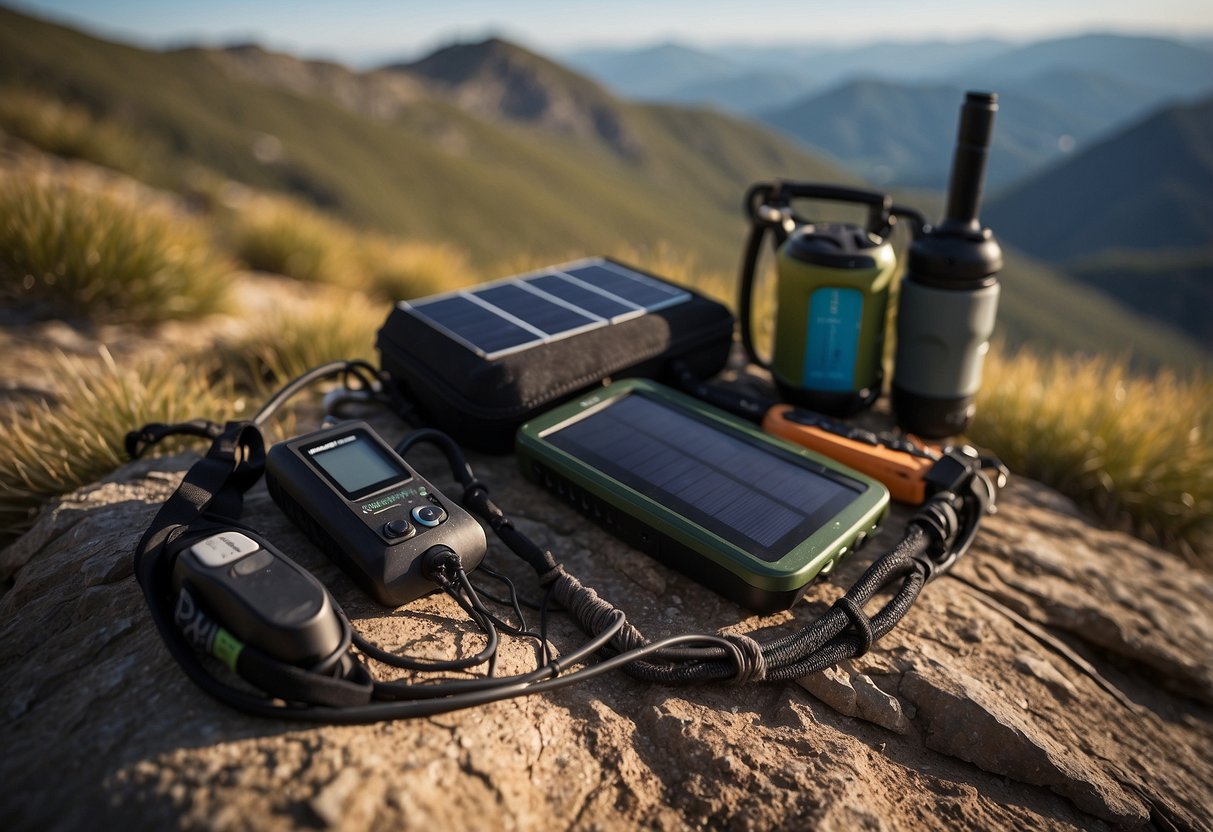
[{"x": 371, "y": 29}]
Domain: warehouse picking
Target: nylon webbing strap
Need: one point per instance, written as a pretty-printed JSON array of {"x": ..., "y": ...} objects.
[
  {"x": 210, "y": 499},
  {"x": 214, "y": 486}
]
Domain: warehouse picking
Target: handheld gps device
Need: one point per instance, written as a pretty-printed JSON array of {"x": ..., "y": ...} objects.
[
  {"x": 751, "y": 516},
  {"x": 368, "y": 510}
]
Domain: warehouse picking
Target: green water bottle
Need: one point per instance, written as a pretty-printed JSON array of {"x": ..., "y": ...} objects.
[{"x": 831, "y": 299}]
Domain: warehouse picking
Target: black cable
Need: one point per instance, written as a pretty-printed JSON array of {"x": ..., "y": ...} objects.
[
  {"x": 345, "y": 369},
  {"x": 943, "y": 528},
  {"x": 513, "y": 590},
  {"x": 431, "y": 706},
  {"x": 436, "y": 665},
  {"x": 522, "y": 630}
]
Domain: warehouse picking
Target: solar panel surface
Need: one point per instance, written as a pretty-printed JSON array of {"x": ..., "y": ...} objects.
[{"x": 518, "y": 313}]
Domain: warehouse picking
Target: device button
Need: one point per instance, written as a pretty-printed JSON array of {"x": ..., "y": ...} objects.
[
  {"x": 397, "y": 528},
  {"x": 429, "y": 515},
  {"x": 222, "y": 548},
  {"x": 253, "y": 563}
]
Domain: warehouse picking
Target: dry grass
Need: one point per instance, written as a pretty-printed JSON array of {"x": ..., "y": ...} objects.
[
  {"x": 103, "y": 253},
  {"x": 1138, "y": 452},
  {"x": 69, "y": 131},
  {"x": 281, "y": 235},
  {"x": 285, "y": 237},
  {"x": 298, "y": 337},
  {"x": 50, "y": 450},
  {"x": 398, "y": 270}
]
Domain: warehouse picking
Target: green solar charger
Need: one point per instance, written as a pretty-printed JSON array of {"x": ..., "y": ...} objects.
[{"x": 751, "y": 516}]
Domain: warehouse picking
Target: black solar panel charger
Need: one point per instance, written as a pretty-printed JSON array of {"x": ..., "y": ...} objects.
[{"x": 477, "y": 363}]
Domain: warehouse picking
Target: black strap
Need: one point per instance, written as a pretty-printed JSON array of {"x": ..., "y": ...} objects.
[
  {"x": 214, "y": 485},
  {"x": 138, "y": 441},
  {"x": 210, "y": 499}
]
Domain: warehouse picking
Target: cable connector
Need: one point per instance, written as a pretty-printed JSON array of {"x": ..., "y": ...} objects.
[
  {"x": 940, "y": 519},
  {"x": 441, "y": 564},
  {"x": 963, "y": 485}
]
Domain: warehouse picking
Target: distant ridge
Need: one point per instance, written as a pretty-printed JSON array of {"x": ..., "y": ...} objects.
[
  {"x": 471, "y": 149},
  {"x": 653, "y": 72},
  {"x": 496, "y": 79},
  {"x": 1166, "y": 66},
  {"x": 1147, "y": 188},
  {"x": 903, "y": 134},
  {"x": 1131, "y": 216}
]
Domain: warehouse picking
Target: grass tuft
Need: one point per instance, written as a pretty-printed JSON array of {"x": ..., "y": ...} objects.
[
  {"x": 397, "y": 270},
  {"x": 50, "y": 450},
  {"x": 296, "y": 338},
  {"x": 103, "y": 254},
  {"x": 1138, "y": 452},
  {"x": 281, "y": 235}
]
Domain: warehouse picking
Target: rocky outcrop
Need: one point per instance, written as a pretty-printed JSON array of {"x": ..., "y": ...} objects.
[{"x": 1060, "y": 679}]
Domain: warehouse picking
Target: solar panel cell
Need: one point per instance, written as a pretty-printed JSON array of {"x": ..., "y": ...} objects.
[
  {"x": 596, "y": 303},
  {"x": 511, "y": 315},
  {"x": 546, "y": 316},
  {"x": 475, "y": 325},
  {"x": 628, "y": 286}
]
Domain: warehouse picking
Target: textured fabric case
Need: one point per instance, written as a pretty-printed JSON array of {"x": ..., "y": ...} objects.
[{"x": 482, "y": 402}]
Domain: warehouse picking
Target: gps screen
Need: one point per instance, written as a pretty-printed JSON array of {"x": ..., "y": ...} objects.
[{"x": 356, "y": 464}]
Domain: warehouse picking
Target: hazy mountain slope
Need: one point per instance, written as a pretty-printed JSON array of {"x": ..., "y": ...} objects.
[
  {"x": 499, "y": 187},
  {"x": 665, "y": 72},
  {"x": 1108, "y": 102},
  {"x": 746, "y": 94},
  {"x": 1173, "y": 288},
  {"x": 1168, "y": 67},
  {"x": 380, "y": 95},
  {"x": 1150, "y": 187},
  {"x": 498, "y": 80},
  {"x": 1043, "y": 308},
  {"x": 904, "y": 134},
  {"x": 651, "y": 72}
]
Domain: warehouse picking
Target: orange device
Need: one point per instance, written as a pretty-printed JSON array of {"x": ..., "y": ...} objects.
[{"x": 900, "y": 464}]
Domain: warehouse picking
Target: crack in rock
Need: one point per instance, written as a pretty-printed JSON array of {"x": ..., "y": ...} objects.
[{"x": 966, "y": 720}]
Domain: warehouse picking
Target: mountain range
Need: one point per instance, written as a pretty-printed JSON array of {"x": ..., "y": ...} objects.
[
  {"x": 504, "y": 153},
  {"x": 1058, "y": 94}
]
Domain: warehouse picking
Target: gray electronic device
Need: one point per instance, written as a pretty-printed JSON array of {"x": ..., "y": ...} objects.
[{"x": 368, "y": 510}]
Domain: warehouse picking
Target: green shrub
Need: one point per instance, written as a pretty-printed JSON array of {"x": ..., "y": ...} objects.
[
  {"x": 52, "y": 449},
  {"x": 104, "y": 253},
  {"x": 1138, "y": 452}
]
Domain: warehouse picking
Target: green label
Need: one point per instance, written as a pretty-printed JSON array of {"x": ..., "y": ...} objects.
[{"x": 226, "y": 648}]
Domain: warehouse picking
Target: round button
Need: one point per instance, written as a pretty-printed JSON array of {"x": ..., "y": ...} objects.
[
  {"x": 429, "y": 515},
  {"x": 397, "y": 528}
]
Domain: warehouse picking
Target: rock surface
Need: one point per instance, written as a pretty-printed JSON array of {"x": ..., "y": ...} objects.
[{"x": 1061, "y": 679}]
